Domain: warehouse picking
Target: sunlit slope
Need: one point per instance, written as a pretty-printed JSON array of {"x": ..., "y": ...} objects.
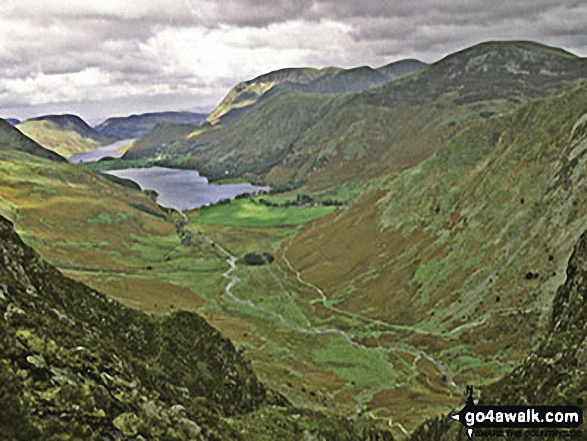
[
  {"x": 89, "y": 227},
  {"x": 63, "y": 134},
  {"x": 13, "y": 139},
  {"x": 467, "y": 247},
  {"x": 324, "y": 140},
  {"x": 248, "y": 95}
]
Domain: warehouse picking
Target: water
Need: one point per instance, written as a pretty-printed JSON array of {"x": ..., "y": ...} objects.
[
  {"x": 99, "y": 153},
  {"x": 183, "y": 189}
]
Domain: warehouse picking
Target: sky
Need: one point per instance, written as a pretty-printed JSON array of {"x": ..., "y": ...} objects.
[{"x": 106, "y": 58}]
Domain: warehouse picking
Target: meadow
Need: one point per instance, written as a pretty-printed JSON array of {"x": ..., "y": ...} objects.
[{"x": 251, "y": 213}]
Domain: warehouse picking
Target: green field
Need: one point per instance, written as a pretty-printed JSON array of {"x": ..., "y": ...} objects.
[{"x": 250, "y": 213}]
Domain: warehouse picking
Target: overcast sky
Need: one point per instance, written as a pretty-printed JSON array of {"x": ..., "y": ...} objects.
[{"x": 117, "y": 57}]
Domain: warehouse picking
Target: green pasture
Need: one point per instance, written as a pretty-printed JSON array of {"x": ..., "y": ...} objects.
[{"x": 250, "y": 213}]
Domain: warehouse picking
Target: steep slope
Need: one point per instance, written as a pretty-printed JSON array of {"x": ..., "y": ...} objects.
[
  {"x": 461, "y": 255},
  {"x": 248, "y": 93},
  {"x": 78, "y": 219},
  {"x": 135, "y": 126},
  {"x": 13, "y": 139},
  {"x": 555, "y": 372},
  {"x": 76, "y": 364},
  {"x": 378, "y": 131},
  {"x": 246, "y": 97},
  {"x": 63, "y": 134}
]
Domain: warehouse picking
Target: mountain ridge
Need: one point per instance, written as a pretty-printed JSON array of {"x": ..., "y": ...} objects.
[
  {"x": 288, "y": 140},
  {"x": 12, "y": 138},
  {"x": 134, "y": 126},
  {"x": 65, "y": 134},
  {"x": 249, "y": 94}
]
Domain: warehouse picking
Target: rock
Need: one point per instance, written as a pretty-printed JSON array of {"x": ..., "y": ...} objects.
[
  {"x": 37, "y": 361},
  {"x": 11, "y": 310},
  {"x": 127, "y": 423},
  {"x": 189, "y": 428}
]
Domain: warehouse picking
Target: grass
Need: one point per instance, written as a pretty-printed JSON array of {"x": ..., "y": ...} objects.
[
  {"x": 62, "y": 141},
  {"x": 249, "y": 213}
]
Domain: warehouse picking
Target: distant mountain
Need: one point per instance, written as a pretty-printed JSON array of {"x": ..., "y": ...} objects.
[
  {"x": 249, "y": 94},
  {"x": 135, "y": 126},
  {"x": 64, "y": 134},
  {"x": 13, "y": 139},
  {"x": 12, "y": 121},
  {"x": 327, "y": 139},
  {"x": 361, "y": 78},
  {"x": 76, "y": 364},
  {"x": 400, "y": 68}
]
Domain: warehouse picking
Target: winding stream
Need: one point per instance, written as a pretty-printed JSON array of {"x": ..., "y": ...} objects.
[{"x": 381, "y": 350}]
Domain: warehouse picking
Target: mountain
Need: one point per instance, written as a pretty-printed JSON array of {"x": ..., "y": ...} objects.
[
  {"x": 327, "y": 139},
  {"x": 461, "y": 254},
  {"x": 400, "y": 68},
  {"x": 76, "y": 364},
  {"x": 12, "y": 121},
  {"x": 13, "y": 139},
  {"x": 247, "y": 95},
  {"x": 361, "y": 78},
  {"x": 135, "y": 126},
  {"x": 63, "y": 134},
  {"x": 557, "y": 364}
]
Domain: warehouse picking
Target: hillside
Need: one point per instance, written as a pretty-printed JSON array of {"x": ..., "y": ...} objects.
[
  {"x": 246, "y": 94},
  {"x": 13, "y": 139},
  {"x": 135, "y": 126},
  {"x": 422, "y": 250},
  {"x": 76, "y": 364},
  {"x": 63, "y": 134},
  {"x": 116, "y": 240},
  {"x": 557, "y": 364},
  {"x": 461, "y": 254},
  {"x": 246, "y": 97},
  {"x": 326, "y": 140}
]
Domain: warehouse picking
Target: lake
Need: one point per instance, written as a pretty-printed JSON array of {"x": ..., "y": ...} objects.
[
  {"x": 101, "y": 152},
  {"x": 183, "y": 189}
]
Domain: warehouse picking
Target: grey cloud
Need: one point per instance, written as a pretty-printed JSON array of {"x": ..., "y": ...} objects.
[
  {"x": 113, "y": 38},
  {"x": 254, "y": 13}
]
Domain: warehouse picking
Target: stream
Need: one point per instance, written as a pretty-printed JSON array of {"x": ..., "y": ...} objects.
[{"x": 382, "y": 351}]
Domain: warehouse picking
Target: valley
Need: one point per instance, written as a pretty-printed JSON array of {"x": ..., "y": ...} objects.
[{"x": 417, "y": 225}]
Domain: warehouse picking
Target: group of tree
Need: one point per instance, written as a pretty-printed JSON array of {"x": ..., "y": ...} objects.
[{"x": 301, "y": 200}]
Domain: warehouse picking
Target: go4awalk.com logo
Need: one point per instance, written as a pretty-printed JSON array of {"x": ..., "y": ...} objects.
[{"x": 549, "y": 418}]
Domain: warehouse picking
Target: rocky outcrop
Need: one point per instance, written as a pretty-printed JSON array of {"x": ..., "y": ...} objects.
[{"x": 77, "y": 365}]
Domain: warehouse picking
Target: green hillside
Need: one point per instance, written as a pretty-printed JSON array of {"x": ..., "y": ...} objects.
[
  {"x": 246, "y": 97},
  {"x": 557, "y": 364},
  {"x": 77, "y": 365},
  {"x": 63, "y": 134},
  {"x": 12, "y": 139},
  {"x": 461, "y": 254},
  {"x": 325, "y": 140}
]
